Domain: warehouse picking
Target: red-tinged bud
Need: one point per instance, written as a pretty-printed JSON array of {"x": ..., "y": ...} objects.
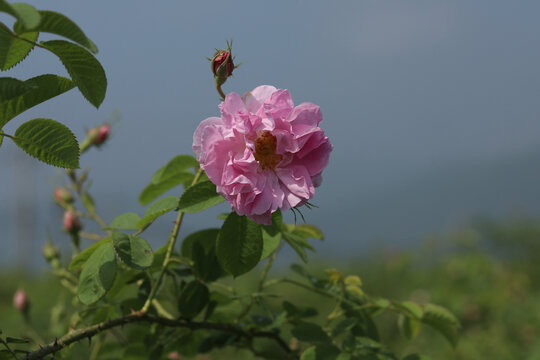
[
  {"x": 222, "y": 57},
  {"x": 63, "y": 196},
  {"x": 20, "y": 301},
  {"x": 72, "y": 224},
  {"x": 102, "y": 134}
]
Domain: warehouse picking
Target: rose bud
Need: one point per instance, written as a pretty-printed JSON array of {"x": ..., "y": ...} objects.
[
  {"x": 20, "y": 301},
  {"x": 222, "y": 57},
  {"x": 72, "y": 223},
  {"x": 63, "y": 196},
  {"x": 102, "y": 134},
  {"x": 51, "y": 254}
]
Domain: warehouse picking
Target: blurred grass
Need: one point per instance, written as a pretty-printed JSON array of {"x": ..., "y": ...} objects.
[{"x": 486, "y": 274}]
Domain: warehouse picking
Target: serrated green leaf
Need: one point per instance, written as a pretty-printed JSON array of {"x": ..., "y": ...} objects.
[
  {"x": 310, "y": 332},
  {"x": 193, "y": 299},
  {"x": 97, "y": 275},
  {"x": 59, "y": 24},
  {"x": 11, "y": 88},
  {"x": 44, "y": 88},
  {"x": 199, "y": 197},
  {"x": 442, "y": 320},
  {"x": 409, "y": 308},
  {"x": 321, "y": 352},
  {"x": 239, "y": 244},
  {"x": 14, "y": 50},
  {"x": 410, "y": 327},
  {"x": 206, "y": 238},
  {"x": 83, "y": 256},
  {"x": 152, "y": 191},
  {"x": 24, "y": 13},
  {"x": 158, "y": 208},
  {"x": 85, "y": 70},
  {"x": 132, "y": 250},
  {"x": 127, "y": 221},
  {"x": 49, "y": 141}
]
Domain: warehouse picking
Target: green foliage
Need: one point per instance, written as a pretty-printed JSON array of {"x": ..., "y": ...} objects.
[
  {"x": 84, "y": 69},
  {"x": 176, "y": 172},
  {"x": 48, "y": 141},
  {"x": 43, "y": 87},
  {"x": 98, "y": 274},
  {"x": 14, "y": 50},
  {"x": 199, "y": 197},
  {"x": 11, "y": 88},
  {"x": 58, "y": 24},
  {"x": 80, "y": 259},
  {"x": 239, "y": 244},
  {"x": 127, "y": 221},
  {"x": 193, "y": 299},
  {"x": 132, "y": 250},
  {"x": 158, "y": 208},
  {"x": 25, "y": 13}
]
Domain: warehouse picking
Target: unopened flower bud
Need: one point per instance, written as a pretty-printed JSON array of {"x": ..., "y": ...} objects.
[
  {"x": 102, "y": 134},
  {"x": 222, "y": 57},
  {"x": 20, "y": 301},
  {"x": 63, "y": 196},
  {"x": 51, "y": 254},
  {"x": 72, "y": 224}
]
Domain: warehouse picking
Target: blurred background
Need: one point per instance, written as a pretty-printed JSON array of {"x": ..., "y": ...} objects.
[{"x": 432, "y": 108}]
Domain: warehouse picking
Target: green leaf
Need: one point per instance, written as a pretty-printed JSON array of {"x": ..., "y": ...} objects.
[
  {"x": 410, "y": 327},
  {"x": 97, "y": 275},
  {"x": 83, "y": 256},
  {"x": 193, "y": 299},
  {"x": 133, "y": 250},
  {"x": 127, "y": 221},
  {"x": 13, "y": 340},
  {"x": 443, "y": 321},
  {"x": 310, "y": 332},
  {"x": 206, "y": 238},
  {"x": 205, "y": 263},
  {"x": 49, "y": 141},
  {"x": 321, "y": 352},
  {"x": 158, "y": 208},
  {"x": 176, "y": 166},
  {"x": 24, "y": 13},
  {"x": 83, "y": 67},
  {"x": 298, "y": 243},
  {"x": 152, "y": 191},
  {"x": 59, "y": 24},
  {"x": 270, "y": 243},
  {"x": 239, "y": 244},
  {"x": 14, "y": 50},
  {"x": 44, "y": 87},
  {"x": 11, "y": 88},
  {"x": 409, "y": 308},
  {"x": 308, "y": 231},
  {"x": 199, "y": 197}
]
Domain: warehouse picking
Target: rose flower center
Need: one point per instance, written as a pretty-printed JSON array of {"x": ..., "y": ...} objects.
[{"x": 265, "y": 151}]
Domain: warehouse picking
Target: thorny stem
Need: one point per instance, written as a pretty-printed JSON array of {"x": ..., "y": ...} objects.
[
  {"x": 172, "y": 242},
  {"x": 93, "y": 330}
]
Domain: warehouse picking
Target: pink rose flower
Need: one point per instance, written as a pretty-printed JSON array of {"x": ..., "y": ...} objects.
[{"x": 263, "y": 153}]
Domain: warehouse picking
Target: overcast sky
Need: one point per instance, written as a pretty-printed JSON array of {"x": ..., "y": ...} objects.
[{"x": 409, "y": 91}]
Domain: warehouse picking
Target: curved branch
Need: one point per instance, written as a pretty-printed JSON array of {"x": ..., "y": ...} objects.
[{"x": 90, "y": 331}]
